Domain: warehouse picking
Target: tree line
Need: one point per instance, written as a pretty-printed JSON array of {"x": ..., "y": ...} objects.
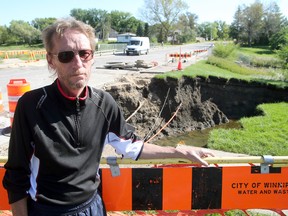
[{"x": 168, "y": 20}]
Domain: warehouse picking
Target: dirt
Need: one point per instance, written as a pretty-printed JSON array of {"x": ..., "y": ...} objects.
[{"x": 169, "y": 106}]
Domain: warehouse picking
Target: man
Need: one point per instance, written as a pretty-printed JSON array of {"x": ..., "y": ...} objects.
[{"x": 59, "y": 131}]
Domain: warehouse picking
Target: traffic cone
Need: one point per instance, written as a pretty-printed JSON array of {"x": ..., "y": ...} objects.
[{"x": 179, "y": 64}]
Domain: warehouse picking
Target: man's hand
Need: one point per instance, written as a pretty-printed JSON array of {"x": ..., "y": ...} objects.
[{"x": 194, "y": 153}]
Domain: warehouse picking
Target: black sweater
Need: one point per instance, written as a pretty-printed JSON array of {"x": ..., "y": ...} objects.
[{"x": 56, "y": 145}]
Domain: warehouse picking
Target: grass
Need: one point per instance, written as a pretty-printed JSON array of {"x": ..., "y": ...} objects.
[
  {"x": 22, "y": 47},
  {"x": 203, "y": 69},
  {"x": 258, "y": 51},
  {"x": 260, "y": 135}
]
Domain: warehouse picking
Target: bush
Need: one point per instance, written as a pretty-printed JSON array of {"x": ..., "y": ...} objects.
[
  {"x": 223, "y": 50},
  {"x": 283, "y": 54}
]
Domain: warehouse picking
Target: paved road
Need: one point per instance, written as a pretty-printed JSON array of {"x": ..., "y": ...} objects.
[{"x": 38, "y": 75}]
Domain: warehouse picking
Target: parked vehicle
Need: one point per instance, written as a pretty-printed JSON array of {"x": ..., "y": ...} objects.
[{"x": 138, "y": 46}]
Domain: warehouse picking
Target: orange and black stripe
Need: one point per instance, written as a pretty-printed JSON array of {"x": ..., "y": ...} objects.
[
  {"x": 235, "y": 187},
  {"x": 190, "y": 188}
]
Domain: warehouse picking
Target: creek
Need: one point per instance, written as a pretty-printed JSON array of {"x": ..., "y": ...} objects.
[{"x": 197, "y": 138}]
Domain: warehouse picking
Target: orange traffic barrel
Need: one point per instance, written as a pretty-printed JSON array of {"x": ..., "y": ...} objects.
[
  {"x": 15, "y": 88},
  {"x": 1, "y": 103}
]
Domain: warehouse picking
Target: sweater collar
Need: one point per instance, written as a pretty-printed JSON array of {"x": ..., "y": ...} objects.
[{"x": 85, "y": 91}]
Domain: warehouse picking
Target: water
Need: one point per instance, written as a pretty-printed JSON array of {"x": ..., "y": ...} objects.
[{"x": 195, "y": 138}]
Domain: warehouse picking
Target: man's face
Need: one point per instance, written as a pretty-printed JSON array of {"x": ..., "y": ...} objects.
[{"x": 73, "y": 75}]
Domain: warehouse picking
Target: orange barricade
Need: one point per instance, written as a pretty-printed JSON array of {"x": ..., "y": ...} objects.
[
  {"x": 240, "y": 187},
  {"x": 184, "y": 55},
  {"x": 16, "y": 88},
  {"x": 3, "y": 194},
  {"x": 194, "y": 189}
]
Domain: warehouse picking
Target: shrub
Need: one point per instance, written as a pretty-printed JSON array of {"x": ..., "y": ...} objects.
[
  {"x": 222, "y": 50},
  {"x": 283, "y": 54}
]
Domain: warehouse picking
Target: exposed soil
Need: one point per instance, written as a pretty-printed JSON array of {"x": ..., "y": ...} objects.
[
  {"x": 158, "y": 100},
  {"x": 150, "y": 103}
]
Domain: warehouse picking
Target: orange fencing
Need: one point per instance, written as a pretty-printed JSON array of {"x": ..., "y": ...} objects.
[
  {"x": 31, "y": 54},
  {"x": 182, "y": 55}
]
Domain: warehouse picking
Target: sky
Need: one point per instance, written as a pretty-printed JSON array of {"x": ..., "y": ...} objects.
[{"x": 206, "y": 10}]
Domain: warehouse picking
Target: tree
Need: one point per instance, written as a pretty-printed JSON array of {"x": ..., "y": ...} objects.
[
  {"x": 103, "y": 24},
  {"x": 187, "y": 24},
  {"x": 84, "y": 16},
  {"x": 163, "y": 12},
  {"x": 98, "y": 19},
  {"x": 272, "y": 22},
  {"x": 222, "y": 30},
  {"x": 252, "y": 22},
  {"x": 119, "y": 20},
  {"x": 146, "y": 30},
  {"x": 24, "y": 31},
  {"x": 235, "y": 27},
  {"x": 42, "y": 23},
  {"x": 140, "y": 30},
  {"x": 207, "y": 30},
  {"x": 4, "y": 34},
  {"x": 279, "y": 39}
]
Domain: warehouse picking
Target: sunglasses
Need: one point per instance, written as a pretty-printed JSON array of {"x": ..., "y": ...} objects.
[{"x": 68, "y": 56}]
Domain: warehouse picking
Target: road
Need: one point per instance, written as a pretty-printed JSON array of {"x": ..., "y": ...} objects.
[{"x": 38, "y": 75}]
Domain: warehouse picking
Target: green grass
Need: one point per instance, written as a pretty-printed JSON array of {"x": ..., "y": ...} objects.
[
  {"x": 260, "y": 135},
  {"x": 22, "y": 47},
  {"x": 258, "y": 51},
  {"x": 203, "y": 69}
]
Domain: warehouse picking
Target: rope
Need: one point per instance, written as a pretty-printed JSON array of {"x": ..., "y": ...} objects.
[
  {"x": 153, "y": 127},
  {"x": 141, "y": 104},
  {"x": 165, "y": 124}
]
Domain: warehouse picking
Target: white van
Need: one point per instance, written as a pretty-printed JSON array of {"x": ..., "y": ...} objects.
[{"x": 138, "y": 46}]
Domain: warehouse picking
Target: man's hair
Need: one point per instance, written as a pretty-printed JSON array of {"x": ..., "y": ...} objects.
[{"x": 61, "y": 25}]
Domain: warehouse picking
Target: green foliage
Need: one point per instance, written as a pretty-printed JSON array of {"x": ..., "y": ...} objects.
[
  {"x": 261, "y": 135},
  {"x": 283, "y": 54},
  {"x": 223, "y": 50},
  {"x": 140, "y": 30},
  {"x": 24, "y": 32},
  {"x": 256, "y": 24},
  {"x": 164, "y": 13},
  {"x": 4, "y": 34},
  {"x": 260, "y": 62},
  {"x": 42, "y": 23},
  {"x": 186, "y": 37},
  {"x": 202, "y": 69},
  {"x": 279, "y": 39},
  {"x": 233, "y": 67}
]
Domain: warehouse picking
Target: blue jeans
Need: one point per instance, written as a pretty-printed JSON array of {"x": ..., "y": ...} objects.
[{"x": 93, "y": 207}]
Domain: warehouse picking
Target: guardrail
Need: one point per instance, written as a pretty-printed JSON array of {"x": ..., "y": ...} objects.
[{"x": 273, "y": 160}]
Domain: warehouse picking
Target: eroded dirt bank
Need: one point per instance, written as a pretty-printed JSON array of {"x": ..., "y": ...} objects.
[{"x": 203, "y": 102}]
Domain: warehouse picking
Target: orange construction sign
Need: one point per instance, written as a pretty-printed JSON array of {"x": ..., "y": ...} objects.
[{"x": 190, "y": 188}]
